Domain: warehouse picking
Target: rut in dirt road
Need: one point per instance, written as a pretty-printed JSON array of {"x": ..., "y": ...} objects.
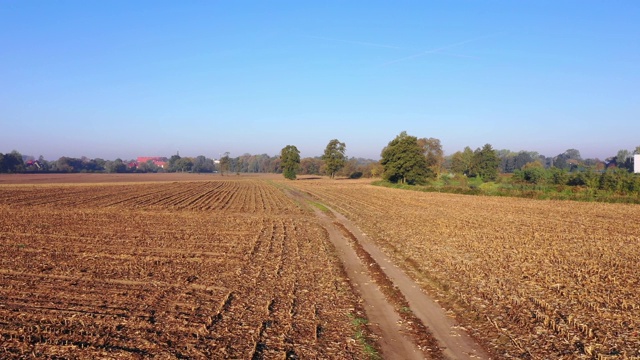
[
  {"x": 452, "y": 341},
  {"x": 394, "y": 343}
]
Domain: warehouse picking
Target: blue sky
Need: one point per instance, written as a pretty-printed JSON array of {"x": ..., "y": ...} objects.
[{"x": 144, "y": 78}]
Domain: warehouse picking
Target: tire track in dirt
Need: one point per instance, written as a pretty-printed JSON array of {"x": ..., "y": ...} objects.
[
  {"x": 395, "y": 341},
  {"x": 454, "y": 341}
]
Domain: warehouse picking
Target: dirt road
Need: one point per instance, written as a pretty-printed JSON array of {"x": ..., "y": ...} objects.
[{"x": 395, "y": 341}]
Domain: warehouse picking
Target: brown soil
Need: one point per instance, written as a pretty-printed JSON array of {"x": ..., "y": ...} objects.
[
  {"x": 87, "y": 178},
  {"x": 454, "y": 341},
  {"x": 393, "y": 341},
  {"x": 408, "y": 320}
]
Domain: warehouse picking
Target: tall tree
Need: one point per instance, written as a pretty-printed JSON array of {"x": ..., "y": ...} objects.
[
  {"x": 311, "y": 166},
  {"x": 12, "y": 162},
  {"x": 568, "y": 160},
  {"x": 225, "y": 163},
  {"x": 485, "y": 163},
  {"x": 172, "y": 165},
  {"x": 334, "y": 157},
  {"x": 623, "y": 160},
  {"x": 523, "y": 158},
  {"x": 432, "y": 150},
  {"x": 116, "y": 166},
  {"x": 403, "y": 160},
  {"x": 290, "y": 161},
  {"x": 184, "y": 164},
  {"x": 202, "y": 164},
  {"x": 461, "y": 161}
]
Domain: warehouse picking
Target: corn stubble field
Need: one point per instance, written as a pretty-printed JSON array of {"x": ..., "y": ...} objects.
[
  {"x": 208, "y": 269},
  {"x": 528, "y": 278},
  {"x": 232, "y": 268}
]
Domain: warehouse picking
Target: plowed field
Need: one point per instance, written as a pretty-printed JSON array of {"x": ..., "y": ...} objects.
[
  {"x": 529, "y": 279},
  {"x": 202, "y": 269}
]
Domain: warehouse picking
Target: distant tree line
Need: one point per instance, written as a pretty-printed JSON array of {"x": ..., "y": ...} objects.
[
  {"x": 15, "y": 162},
  {"x": 334, "y": 162},
  {"x": 406, "y": 159},
  {"x": 411, "y": 160}
]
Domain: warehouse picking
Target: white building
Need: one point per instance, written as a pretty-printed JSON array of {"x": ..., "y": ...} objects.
[{"x": 636, "y": 163}]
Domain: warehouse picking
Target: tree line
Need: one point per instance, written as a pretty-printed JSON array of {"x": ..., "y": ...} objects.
[
  {"x": 411, "y": 160},
  {"x": 15, "y": 162},
  {"x": 406, "y": 159}
]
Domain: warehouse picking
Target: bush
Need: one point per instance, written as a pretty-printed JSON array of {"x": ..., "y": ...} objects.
[
  {"x": 558, "y": 176},
  {"x": 356, "y": 175}
]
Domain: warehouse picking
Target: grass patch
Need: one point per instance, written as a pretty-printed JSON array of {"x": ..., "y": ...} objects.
[
  {"x": 361, "y": 337},
  {"x": 320, "y": 206},
  {"x": 406, "y": 309}
]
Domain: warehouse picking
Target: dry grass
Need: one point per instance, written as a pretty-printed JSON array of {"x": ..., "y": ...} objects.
[
  {"x": 530, "y": 279},
  {"x": 203, "y": 269}
]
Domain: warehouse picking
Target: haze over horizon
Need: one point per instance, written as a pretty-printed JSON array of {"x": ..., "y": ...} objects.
[{"x": 122, "y": 79}]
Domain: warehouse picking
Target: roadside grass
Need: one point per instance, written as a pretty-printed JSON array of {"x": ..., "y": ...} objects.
[
  {"x": 320, "y": 206},
  {"x": 359, "y": 324}
]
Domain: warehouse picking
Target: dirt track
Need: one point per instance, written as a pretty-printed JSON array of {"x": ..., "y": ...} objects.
[
  {"x": 454, "y": 341},
  {"x": 395, "y": 340}
]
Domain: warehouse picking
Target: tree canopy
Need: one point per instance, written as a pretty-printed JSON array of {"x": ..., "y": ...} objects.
[
  {"x": 485, "y": 163},
  {"x": 225, "y": 163},
  {"x": 290, "y": 161},
  {"x": 334, "y": 157},
  {"x": 404, "y": 161},
  {"x": 432, "y": 150}
]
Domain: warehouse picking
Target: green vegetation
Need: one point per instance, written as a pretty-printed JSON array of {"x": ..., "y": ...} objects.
[
  {"x": 534, "y": 182},
  {"x": 334, "y": 157},
  {"x": 360, "y": 324},
  {"x": 290, "y": 161},
  {"x": 320, "y": 206},
  {"x": 485, "y": 163},
  {"x": 404, "y": 162}
]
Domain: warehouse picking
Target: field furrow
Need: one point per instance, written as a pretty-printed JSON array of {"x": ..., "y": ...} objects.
[
  {"x": 190, "y": 269},
  {"x": 531, "y": 279}
]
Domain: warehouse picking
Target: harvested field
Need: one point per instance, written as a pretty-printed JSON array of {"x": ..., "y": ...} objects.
[
  {"x": 95, "y": 178},
  {"x": 191, "y": 269},
  {"x": 530, "y": 279}
]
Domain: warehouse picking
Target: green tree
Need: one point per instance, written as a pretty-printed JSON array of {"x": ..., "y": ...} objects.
[
  {"x": 485, "y": 163},
  {"x": 202, "y": 164},
  {"x": 148, "y": 167},
  {"x": 184, "y": 164},
  {"x": 225, "y": 163},
  {"x": 290, "y": 161},
  {"x": 116, "y": 166},
  {"x": 310, "y": 166},
  {"x": 404, "y": 161},
  {"x": 12, "y": 162},
  {"x": 433, "y": 153},
  {"x": 172, "y": 164},
  {"x": 523, "y": 158},
  {"x": 334, "y": 157},
  {"x": 533, "y": 173},
  {"x": 558, "y": 176},
  {"x": 461, "y": 161},
  {"x": 568, "y": 160},
  {"x": 623, "y": 160}
]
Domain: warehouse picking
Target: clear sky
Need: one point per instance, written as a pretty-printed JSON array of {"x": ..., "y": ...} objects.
[{"x": 124, "y": 79}]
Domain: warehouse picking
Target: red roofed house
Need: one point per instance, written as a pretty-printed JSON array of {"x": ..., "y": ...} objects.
[{"x": 159, "y": 161}]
